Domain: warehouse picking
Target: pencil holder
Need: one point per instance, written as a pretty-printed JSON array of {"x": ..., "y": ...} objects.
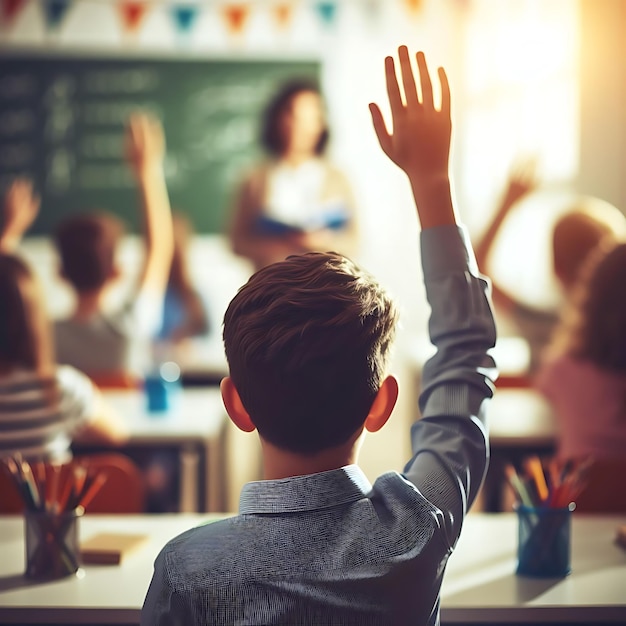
[
  {"x": 52, "y": 549},
  {"x": 544, "y": 541}
]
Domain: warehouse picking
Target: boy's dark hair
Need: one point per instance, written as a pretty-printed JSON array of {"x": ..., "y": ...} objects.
[
  {"x": 271, "y": 134},
  {"x": 307, "y": 341},
  {"x": 86, "y": 244}
]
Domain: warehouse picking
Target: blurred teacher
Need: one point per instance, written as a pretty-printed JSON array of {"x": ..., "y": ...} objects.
[{"x": 295, "y": 201}]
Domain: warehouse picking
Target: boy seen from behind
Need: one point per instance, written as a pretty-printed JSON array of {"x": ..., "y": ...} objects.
[
  {"x": 307, "y": 341},
  {"x": 107, "y": 344}
]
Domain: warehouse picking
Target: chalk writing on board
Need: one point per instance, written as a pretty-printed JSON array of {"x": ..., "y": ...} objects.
[
  {"x": 61, "y": 89},
  {"x": 62, "y": 122},
  {"x": 105, "y": 176},
  {"x": 124, "y": 81},
  {"x": 59, "y": 124},
  {"x": 60, "y": 168},
  {"x": 16, "y": 156},
  {"x": 102, "y": 146},
  {"x": 115, "y": 113},
  {"x": 17, "y": 122},
  {"x": 17, "y": 86}
]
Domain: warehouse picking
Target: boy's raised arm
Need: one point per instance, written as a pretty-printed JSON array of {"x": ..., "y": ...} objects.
[
  {"x": 449, "y": 442},
  {"x": 145, "y": 147}
]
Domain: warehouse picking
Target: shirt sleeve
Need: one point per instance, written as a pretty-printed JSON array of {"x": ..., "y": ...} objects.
[
  {"x": 164, "y": 606},
  {"x": 78, "y": 397},
  {"x": 450, "y": 441}
]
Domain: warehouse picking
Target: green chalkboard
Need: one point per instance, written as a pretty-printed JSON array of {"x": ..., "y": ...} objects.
[{"x": 62, "y": 121}]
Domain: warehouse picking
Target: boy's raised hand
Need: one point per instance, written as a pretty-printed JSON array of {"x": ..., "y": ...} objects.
[{"x": 420, "y": 141}]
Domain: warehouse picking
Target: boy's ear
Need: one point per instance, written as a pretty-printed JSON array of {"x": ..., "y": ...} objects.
[
  {"x": 383, "y": 405},
  {"x": 234, "y": 406}
]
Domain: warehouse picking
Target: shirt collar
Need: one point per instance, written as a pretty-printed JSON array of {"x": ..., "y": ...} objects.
[{"x": 305, "y": 493}]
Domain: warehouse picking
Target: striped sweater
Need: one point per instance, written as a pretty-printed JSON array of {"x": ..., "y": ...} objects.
[{"x": 38, "y": 417}]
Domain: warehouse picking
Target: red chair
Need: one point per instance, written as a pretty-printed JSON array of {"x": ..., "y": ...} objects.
[
  {"x": 122, "y": 492},
  {"x": 604, "y": 491}
]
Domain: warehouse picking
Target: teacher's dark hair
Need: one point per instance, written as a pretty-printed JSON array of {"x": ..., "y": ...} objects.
[{"x": 271, "y": 136}]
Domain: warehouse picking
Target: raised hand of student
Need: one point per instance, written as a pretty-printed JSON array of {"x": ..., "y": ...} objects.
[
  {"x": 20, "y": 208},
  {"x": 145, "y": 143},
  {"x": 522, "y": 181},
  {"x": 420, "y": 141},
  {"x": 145, "y": 150}
]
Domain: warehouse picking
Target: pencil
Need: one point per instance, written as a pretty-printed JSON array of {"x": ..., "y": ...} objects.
[
  {"x": 92, "y": 489},
  {"x": 534, "y": 468},
  {"x": 518, "y": 486}
]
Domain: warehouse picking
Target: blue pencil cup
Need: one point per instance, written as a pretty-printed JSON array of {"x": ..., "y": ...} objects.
[
  {"x": 162, "y": 388},
  {"x": 544, "y": 541}
]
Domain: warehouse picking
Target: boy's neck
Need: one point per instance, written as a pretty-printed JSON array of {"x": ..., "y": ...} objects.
[
  {"x": 279, "y": 463},
  {"x": 88, "y": 304}
]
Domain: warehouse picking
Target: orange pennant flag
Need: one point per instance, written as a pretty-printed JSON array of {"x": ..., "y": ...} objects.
[
  {"x": 413, "y": 6},
  {"x": 132, "y": 14},
  {"x": 282, "y": 13},
  {"x": 236, "y": 16}
]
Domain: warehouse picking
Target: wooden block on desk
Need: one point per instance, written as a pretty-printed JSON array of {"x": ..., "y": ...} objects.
[{"x": 109, "y": 548}]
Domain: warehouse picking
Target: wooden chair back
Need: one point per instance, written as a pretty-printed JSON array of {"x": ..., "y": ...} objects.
[
  {"x": 605, "y": 491},
  {"x": 122, "y": 492}
]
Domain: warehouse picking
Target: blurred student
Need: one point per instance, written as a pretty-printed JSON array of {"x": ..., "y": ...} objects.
[
  {"x": 107, "y": 343},
  {"x": 584, "y": 374},
  {"x": 184, "y": 313},
  {"x": 43, "y": 407},
  {"x": 307, "y": 341},
  {"x": 295, "y": 201},
  {"x": 575, "y": 235}
]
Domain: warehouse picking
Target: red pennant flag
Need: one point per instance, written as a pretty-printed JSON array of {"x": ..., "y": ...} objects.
[
  {"x": 236, "y": 16},
  {"x": 132, "y": 15},
  {"x": 282, "y": 13},
  {"x": 10, "y": 9}
]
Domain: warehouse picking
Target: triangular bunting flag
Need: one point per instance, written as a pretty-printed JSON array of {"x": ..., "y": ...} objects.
[
  {"x": 236, "y": 16},
  {"x": 327, "y": 11},
  {"x": 372, "y": 8},
  {"x": 10, "y": 9},
  {"x": 282, "y": 12},
  {"x": 132, "y": 14},
  {"x": 55, "y": 12},
  {"x": 413, "y": 6},
  {"x": 185, "y": 16}
]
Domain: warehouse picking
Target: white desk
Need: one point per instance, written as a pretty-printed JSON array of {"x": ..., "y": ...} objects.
[
  {"x": 479, "y": 587},
  {"x": 195, "y": 426}
]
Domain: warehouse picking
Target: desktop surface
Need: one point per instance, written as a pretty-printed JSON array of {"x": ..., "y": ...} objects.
[{"x": 480, "y": 586}]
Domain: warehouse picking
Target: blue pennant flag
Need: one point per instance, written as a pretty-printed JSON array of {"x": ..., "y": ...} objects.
[
  {"x": 327, "y": 11},
  {"x": 54, "y": 11},
  {"x": 185, "y": 16}
]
